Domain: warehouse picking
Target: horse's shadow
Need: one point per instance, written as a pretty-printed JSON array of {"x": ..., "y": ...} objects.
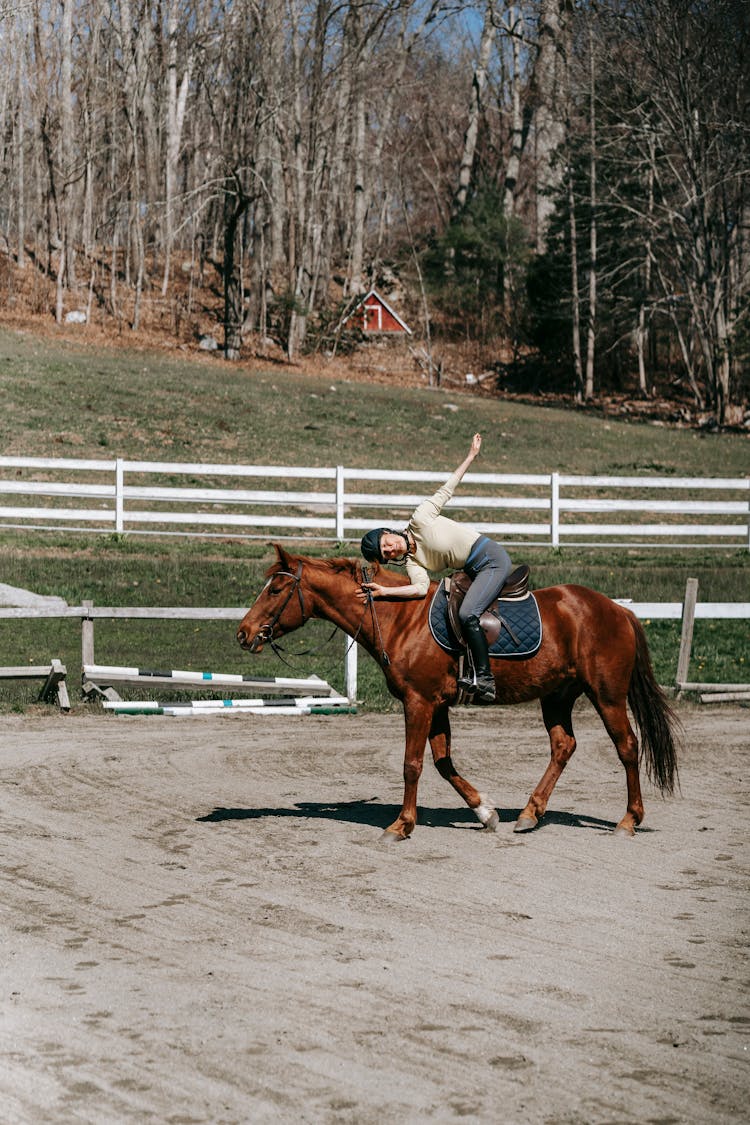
[{"x": 380, "y": 816}]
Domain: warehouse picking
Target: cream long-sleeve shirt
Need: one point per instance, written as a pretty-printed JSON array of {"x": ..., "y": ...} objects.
[{"x": 441, "y": 544}]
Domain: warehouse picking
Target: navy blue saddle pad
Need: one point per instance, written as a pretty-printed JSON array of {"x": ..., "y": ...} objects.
[{"x": 522, "y": 616}]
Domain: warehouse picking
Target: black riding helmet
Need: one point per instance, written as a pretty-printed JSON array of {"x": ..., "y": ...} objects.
[{"x": 370, "y": 545}]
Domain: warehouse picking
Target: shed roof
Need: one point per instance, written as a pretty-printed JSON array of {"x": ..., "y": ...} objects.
[{"x": 374, "y": 296}]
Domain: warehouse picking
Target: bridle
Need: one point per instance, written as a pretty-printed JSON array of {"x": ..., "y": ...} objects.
[{"x": 265, "y": 633}]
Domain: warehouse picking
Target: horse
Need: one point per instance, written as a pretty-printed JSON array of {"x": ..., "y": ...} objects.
[{"x": 590, "y": 646}]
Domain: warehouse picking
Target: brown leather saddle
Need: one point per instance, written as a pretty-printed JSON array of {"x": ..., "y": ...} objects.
[{"x": 492, "y": 621}]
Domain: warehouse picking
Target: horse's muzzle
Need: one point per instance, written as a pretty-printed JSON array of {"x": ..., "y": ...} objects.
[{"x": 257, "y": 642}]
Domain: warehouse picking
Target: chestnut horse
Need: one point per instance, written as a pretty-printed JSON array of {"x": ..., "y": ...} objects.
[{"x": 591, "y": 646}]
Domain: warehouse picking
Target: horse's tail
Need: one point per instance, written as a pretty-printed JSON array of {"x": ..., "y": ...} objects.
[{"x": 657, "y": 722}]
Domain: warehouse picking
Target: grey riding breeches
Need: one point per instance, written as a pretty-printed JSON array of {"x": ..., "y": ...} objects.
[{"x": 488, "y": 565}]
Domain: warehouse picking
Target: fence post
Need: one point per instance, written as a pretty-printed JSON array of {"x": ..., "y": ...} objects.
[
  {"x": 87, "y": 634},
  {"x": 686, "y": 640},
  {"x": 119, "y": 498},
  {"x": 351, "y": 669},
  {"x": 340, "y": 503},
  {"x": 555, "y": 509}
]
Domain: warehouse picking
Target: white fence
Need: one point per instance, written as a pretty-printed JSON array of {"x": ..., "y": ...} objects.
[{"x": 330, "y": 505}]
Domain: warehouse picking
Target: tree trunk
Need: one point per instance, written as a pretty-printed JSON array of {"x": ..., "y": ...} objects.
[
  {"x": 513, "y": 166},
  {"x": 20, "y": 174},
  {"x": 176, "y": 104},
  {"x": 642, "y": 332},
  {"x": 236, "y": 203},
  {"x": 357, "y": 253},
  {"x": 65, "y": 271},
  {"x": 549, "y": 132},
  {"x": 574, "y": 291},
  {"x": 309, "y": 171},
  {"x": 591, "y": 332},
  {"x": 479, "y": 81}
]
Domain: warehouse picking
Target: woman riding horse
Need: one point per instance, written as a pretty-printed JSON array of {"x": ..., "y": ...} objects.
[{"x": 431, "y": 541}]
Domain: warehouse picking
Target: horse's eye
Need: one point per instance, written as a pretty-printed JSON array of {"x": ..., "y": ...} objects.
[{"x": 274, "y": 590}]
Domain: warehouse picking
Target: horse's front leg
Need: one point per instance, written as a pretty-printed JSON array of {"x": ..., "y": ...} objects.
[
  {"x": 417, "y": 717},
  {"x": 440, "y": 743}
]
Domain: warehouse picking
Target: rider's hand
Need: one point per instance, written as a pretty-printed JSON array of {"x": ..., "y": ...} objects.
[{"x": 370, "y": 589}]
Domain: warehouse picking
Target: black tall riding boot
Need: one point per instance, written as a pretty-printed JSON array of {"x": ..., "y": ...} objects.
[{"x": 484, "y": 688}]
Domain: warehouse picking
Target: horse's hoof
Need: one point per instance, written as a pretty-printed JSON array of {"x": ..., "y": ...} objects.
[
  {"x": 525, "y": 824},
  {"x": 624, "y": 832},
  {"x": 389, "y": 837},
  {"x": 487, "y": 815}
]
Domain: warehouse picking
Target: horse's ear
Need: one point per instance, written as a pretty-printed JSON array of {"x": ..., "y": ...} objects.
[{"x": 284, "y": 559}]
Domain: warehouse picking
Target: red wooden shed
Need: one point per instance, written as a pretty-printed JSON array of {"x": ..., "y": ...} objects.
[{"x": 374, "y": 314}]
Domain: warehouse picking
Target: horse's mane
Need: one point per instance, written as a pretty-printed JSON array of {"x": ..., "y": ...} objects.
[
  {"x": 379, "y": 573},
  {"x": 338, "y": 565}
]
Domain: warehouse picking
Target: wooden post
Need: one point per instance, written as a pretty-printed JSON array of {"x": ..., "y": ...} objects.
[
  {"x": 686, "y": 640},
  {"x": 55, "y": 685},
  {"x": 87, "y": 636}
]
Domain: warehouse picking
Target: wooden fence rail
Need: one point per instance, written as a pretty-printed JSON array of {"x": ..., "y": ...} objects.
[{"x": 331, "y": 505}]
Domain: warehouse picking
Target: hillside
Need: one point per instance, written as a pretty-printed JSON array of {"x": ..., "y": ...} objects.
[{"x": 183, "y": 323}]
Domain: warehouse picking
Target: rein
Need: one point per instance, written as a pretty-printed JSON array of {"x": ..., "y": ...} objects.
[{"x": 375, "y": 623}]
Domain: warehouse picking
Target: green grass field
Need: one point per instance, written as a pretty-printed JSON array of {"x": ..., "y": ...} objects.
[{"x": 62, "y": 400}]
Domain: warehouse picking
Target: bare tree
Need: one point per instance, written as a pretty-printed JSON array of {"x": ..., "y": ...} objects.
[
  {"x": 678, "y": 81},
  {"x": 515, "y": 33},
  {"x": 466, "y": 167},
  {"x": 547, "y": 99},
  {"x": 177, "y": 87},
  {"x": 588, "y": 389},
  {"x": 19, "y": 71}
]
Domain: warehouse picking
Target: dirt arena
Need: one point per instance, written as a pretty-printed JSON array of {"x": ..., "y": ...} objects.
[{"x": 199, "y": 924}]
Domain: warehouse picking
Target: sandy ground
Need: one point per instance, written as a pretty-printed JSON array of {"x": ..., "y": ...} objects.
[{"x": 199, "y": 924}]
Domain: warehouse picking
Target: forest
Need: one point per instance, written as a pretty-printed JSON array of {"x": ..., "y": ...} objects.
[{"x": 561, "y": 184}]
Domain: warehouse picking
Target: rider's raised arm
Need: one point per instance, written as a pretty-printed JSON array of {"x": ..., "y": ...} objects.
[
  {"x": 476, "y": 445},
  {"x": 429, "y": 509}
]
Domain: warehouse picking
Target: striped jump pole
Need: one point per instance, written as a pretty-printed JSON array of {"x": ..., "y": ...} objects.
[
  {"x": 304, "y": 705},
  {"x": 117, "y": 674}
]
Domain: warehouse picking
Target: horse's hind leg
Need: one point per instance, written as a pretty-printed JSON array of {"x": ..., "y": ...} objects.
[
  {"x": 615, "y": 718},
  {"x": 558, "y": 719},
  {"x": 440, "y": 743}
]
